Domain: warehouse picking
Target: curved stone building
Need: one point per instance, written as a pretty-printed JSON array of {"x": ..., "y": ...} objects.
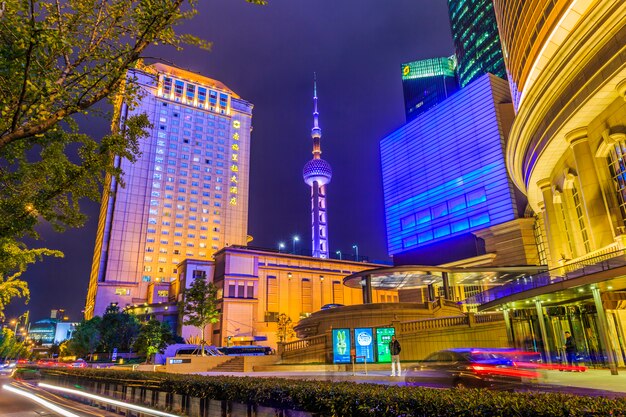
[{"x": 566, "y": 63}]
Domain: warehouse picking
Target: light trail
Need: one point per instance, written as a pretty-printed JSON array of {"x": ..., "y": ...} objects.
[
  {"x": 40, "y": 401},
  {"x": 107, "y": 400}
]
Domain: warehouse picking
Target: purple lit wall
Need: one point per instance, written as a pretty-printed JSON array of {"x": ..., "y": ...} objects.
[{"x": 444, "y": 173}]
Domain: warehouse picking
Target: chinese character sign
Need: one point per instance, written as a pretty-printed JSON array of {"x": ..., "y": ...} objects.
[{"x": 234, "y": 167}]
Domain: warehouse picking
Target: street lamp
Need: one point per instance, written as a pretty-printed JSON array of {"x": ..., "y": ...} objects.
[
  {"x": 281, "y": 245},
  {"x": 356, "y": 249},
  {"x": 296, "y": 238},
  {"x": 339, "y": 253}
]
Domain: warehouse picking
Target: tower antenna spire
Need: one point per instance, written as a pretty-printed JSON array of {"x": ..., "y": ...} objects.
[{"x": 317, "y": 174}]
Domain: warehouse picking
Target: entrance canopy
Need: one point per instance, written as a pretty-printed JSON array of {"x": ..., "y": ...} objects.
[{"x": 419, "y": 276}]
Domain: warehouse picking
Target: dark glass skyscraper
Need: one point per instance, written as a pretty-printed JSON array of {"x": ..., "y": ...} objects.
[
  {"x": 476, "y": 40},
  {"x": 426, "y": 83}
]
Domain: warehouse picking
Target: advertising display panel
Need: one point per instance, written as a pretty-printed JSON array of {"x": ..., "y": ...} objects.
[
  {"x": 364, "y": 345},
  {"x": 383, "y": 337},
  {"x": 341, "y": 345}
]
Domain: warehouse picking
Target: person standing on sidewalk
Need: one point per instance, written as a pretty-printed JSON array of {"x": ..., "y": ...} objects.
[
  {"x": 570, "y": 349},
  {"x": 394, "y": 349}
]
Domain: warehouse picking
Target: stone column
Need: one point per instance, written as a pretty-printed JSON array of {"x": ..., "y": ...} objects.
[
  {"x": 590, "y": 191},
  {"x": 550, "y": 222},
  {"x": 509, "y": 330},
  {"x": 603, "y": 328},
  {"x": 367, "y": 289},
  {"x": 446, "y": 286},
  {"x": 544, "y": 333}
]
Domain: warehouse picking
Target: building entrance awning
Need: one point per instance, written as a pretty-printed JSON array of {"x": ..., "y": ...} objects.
[{"x": 419, "y": 276}]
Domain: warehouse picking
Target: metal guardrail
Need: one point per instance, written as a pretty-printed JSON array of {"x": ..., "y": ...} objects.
[{"x": 592, "y": 265}]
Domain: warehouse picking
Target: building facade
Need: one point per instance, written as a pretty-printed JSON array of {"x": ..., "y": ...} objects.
[
  {"x": 426, "y": 83},
  {"x": 567, "y": 71},
  {"x": 317, "y": 173},
  {"x": 255, "y": 286},
  {"x": 476, "y": 41},
  {"x": 439, "y": 190},
  {"x": 186, "y": 196}
]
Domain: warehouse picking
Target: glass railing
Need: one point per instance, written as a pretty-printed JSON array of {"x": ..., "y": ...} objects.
[{"x": 581, "y": 268}]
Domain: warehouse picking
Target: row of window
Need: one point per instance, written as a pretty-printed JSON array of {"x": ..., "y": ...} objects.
[
  {"x": 456, "y": 204},
  {"x": 446, "y": 230},
  {"x": 193, "y": 94}
]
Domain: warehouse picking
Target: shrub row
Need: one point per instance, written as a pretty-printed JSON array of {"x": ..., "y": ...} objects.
[{"x": 344, "y": 399}]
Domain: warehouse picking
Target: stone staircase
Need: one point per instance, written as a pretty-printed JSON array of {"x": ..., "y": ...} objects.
[{"x": 236, "y": 364}]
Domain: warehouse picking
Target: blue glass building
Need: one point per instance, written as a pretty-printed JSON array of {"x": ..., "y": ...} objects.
[
  {"x": 426, "y": 83},
  {"x": 476, "y": 39},
  {"x": 444, "y": 174}
]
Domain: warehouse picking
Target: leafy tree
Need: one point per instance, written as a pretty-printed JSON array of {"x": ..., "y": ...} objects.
[
  {"x": 10, "y": 347},
  {"x": 59, "y": 59},
  {"x": 14, "y": 258},
  {"x": 118, "y": 329},
  {"x": 153, "y": 337},
  {"x": 86, "y": 338},
  {"x": 199, "y": 307},
  {"x": 54, "y": 349},
  {"x": 284, "y": 328}
]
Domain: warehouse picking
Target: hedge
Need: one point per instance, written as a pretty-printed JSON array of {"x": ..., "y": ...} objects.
[{"x": 345, "y": 399}]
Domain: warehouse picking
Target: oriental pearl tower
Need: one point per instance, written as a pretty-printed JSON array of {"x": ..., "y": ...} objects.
[{"x": 317, "y": 174}]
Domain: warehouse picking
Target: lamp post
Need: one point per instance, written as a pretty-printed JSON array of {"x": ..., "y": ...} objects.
[
  {"x": 339, "y": 253},
  {"x": 356, "y": 251},
  {"x": 281, "y": 245},
  {"x": 296, "y": 238},
  {"x": 321, "y": 290}
]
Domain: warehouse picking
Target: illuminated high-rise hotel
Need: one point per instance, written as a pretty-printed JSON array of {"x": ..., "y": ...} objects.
[
  {"x": 317, "y": 174},
  {"x": 186, "y": 196}
]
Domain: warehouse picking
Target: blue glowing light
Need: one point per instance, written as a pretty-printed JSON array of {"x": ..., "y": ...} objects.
[{"x": 444, "y": 172}]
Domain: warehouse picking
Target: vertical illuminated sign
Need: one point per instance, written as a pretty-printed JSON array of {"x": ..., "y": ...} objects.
[
  {"x": 234, "y": 167},
  {"x": 383, "y": 337},
  {"x": 341, "y": 345},
  {"x": 364, "y": 345}
]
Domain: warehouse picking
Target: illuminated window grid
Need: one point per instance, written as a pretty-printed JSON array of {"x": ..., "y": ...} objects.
[
  {"x": 580, "y": 219},
  {"x": 476, "y": 39},
  {"x": 539, "y": 240},
  {"x": 617, "y": 168}
]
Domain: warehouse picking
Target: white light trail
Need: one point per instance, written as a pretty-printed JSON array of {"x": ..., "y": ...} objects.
[
  {"x": 107, "y": 400},
  {"x": 40, "y": 401}
]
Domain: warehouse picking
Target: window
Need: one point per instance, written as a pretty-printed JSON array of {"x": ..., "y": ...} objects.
[
  {"x": 122, "y": 291},
  {"x": 457, "y": 204},
  {"x": 476, "y": 197},
  {"x": 408, "y": 222},
  {"x": 423, "y": 216},
  {"x": 409, "y": 242},
  {"x": 440, "y": 210}
]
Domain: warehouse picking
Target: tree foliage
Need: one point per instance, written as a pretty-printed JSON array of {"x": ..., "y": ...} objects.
[
  {"x": 199, "y": 306},
  {"x": 10, "y": 347},
  {"x": 118, "y": 330},
  {"x": 59, "y": 59},
  {"x": 14, "y": 258},
  {"x": 86, "y": 338},
  {"x": 284, "y": 328},
  {"x": 153, "y": 337}
]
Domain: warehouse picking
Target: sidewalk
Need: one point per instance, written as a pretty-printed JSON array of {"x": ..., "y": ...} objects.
[{"x": 600, "y": 379}]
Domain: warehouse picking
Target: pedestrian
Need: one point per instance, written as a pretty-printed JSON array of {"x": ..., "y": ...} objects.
[
  {"x": 570, "y": 349},
  {"x": 394, "y": 349}
]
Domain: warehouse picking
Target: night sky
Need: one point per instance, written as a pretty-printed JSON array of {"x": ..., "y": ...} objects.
[{"x": 268, "y": 55}]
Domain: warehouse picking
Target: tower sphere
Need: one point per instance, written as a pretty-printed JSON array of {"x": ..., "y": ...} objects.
[{"x": 317, "y": 170}]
